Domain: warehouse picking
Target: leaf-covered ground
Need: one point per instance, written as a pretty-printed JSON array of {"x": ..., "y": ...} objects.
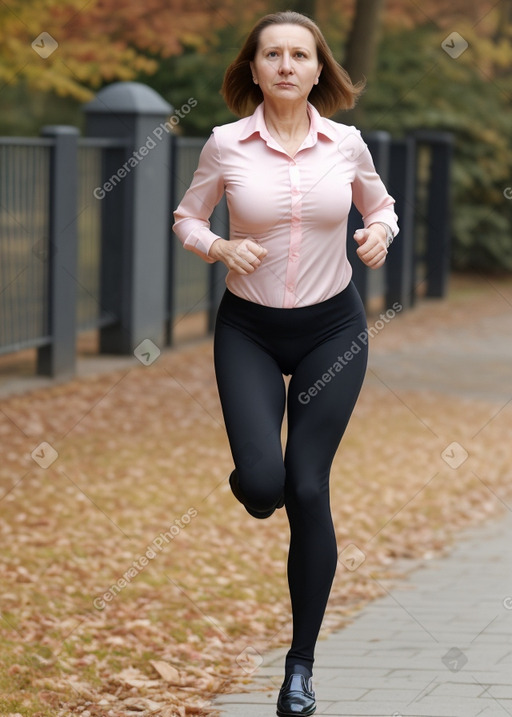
[{"x": 132, "y": 580}]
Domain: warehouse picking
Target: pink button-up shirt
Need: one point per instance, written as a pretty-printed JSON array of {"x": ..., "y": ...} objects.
[{"x": 296, "y": 207}]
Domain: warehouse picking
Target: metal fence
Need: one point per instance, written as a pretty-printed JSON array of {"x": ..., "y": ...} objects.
[
  {"x": 190, "y": 289},
  {"x": 89, "y": 312},
  {"x": 24, "y": 229},
  {"x": 76, "y": 259},
  {"x": 26, "y": 248},
  {"x": 194, "y": 286}
]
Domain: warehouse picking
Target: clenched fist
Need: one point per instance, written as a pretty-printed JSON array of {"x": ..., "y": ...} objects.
[
  {"x": 372, "y": 245},
  {"x": 241, "y": 255}
]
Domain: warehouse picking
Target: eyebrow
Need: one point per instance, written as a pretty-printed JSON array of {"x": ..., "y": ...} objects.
[{"x": 278, "y": 47}]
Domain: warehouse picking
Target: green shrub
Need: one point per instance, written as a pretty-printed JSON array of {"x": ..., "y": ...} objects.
[{"x": 417, "y": 85}]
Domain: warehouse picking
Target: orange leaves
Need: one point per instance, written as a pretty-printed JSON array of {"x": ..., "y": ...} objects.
[
  {"x": 87, "y": 44},
  {"x": 101, "y": 41}
]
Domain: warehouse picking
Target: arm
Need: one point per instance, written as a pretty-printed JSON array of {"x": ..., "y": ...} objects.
[
  {"x": 192, "y": 224},
  {"x": 191, "y": 217},
  {"x": 376, "y": 207}
]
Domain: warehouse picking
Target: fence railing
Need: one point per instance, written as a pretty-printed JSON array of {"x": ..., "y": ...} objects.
[
  {"x": 24, "y": 228},
  {"x": 86, "y": 240}
]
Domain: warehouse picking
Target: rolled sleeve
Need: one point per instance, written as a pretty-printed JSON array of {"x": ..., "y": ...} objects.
[
  {"x": 191, "y": 217},
  {"x": 370, "y": 195}
]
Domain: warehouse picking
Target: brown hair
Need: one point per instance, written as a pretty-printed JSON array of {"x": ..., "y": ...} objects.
[{"x": 334, "y": 91}]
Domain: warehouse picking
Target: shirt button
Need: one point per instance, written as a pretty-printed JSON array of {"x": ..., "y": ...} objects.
[
  {"x": 294, "y": 257},
  {"x": 295, "y": 191},
  {"x": 290, "y": 287},
  {"x": 295, "y": 221}
]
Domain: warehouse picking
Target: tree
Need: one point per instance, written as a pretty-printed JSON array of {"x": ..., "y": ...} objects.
[
  {"x": 306, "y": 7},
  {"x": 89, "y": 44},
  {"x": 361, "y": 49},
  {"x": 101, "y": 41},
  {"x": 423, "y": 86},
  {"x": 505, "y": 20}
]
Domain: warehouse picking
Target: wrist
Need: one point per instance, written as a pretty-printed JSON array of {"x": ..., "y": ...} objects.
[
  {"x": 388, "y": 235},
  {"x": 215, "y": 250}
]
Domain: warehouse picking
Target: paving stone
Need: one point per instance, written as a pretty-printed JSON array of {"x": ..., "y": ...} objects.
[{"x": 444, "y": 651}]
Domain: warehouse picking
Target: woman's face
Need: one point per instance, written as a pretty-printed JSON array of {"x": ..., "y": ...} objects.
[{"x": 286, "y": 63}]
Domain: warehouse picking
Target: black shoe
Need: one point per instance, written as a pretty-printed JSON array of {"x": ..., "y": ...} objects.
[
  {"x": 235, "y": 488},
  {"x": 296, "y": 697}
]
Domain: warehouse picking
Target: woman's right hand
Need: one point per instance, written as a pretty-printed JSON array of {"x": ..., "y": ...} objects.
[{"x": 240, "y": 255}]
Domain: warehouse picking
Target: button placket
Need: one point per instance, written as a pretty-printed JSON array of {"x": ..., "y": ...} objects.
[{"x": 292, "y": 267}]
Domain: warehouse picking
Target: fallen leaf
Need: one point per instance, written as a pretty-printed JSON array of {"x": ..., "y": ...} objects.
[{"x": 166, "y": 671}]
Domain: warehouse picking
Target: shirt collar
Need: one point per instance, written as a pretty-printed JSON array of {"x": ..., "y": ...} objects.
[{"x": 318, "y": 125}]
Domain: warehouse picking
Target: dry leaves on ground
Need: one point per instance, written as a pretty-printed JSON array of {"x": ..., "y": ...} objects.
[{"x": 134, "y": 583}]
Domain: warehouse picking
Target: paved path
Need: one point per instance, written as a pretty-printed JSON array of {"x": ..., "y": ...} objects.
[
  {"x": 439, "y": 644},
  {"x": 474, "y": 361}
]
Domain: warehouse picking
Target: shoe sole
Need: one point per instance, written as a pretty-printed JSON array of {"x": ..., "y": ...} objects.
[{"x": 279, "y": 713}]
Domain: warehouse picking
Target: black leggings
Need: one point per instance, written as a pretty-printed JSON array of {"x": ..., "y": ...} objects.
[{"x": 324, "y": 348}]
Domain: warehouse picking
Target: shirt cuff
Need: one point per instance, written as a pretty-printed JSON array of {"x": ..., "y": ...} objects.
[
  {"x": 200, "y": 242},
  {"x": 381, "y": 217}
]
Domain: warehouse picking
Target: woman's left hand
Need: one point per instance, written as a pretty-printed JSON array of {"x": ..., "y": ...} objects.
[{"x": 372, "y": 245}]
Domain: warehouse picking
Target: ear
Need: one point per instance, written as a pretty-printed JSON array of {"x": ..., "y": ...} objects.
[
  {"x": 253, "y": 70},
  {"x": 320, "y": 68}
]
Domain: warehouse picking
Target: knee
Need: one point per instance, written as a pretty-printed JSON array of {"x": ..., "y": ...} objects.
[
  {"x": 308, "y": 493},
  {"x": 262, "y": 487}
]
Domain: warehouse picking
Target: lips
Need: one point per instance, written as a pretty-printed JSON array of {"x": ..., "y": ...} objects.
[{"x": 285, "y": 84}]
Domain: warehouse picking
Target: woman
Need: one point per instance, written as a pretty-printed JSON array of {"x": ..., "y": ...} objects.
[{"x": 289, "y": 175}]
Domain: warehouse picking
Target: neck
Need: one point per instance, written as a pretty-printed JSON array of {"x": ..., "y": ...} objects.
[{"x": 287, "y": 120}]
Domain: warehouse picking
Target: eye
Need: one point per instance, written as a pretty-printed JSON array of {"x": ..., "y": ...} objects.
[
  {"x": 300, "y": 54},
  {"x": 272, "y": 53}
]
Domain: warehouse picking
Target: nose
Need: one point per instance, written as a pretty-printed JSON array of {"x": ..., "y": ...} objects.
[{"x": 286, "y": 66}]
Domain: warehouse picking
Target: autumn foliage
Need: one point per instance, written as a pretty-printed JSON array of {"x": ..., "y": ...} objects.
[{"x": 101, "y": 41}]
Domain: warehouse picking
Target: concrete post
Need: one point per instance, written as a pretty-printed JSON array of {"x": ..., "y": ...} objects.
[
  {"x": 59, "y": 357},
  {"x": 136, "y": 212}
]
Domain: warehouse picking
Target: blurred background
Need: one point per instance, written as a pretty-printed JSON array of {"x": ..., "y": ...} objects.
[
  {"x": 181, "y": 49},
  {"x": 436, "y": 115}
]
